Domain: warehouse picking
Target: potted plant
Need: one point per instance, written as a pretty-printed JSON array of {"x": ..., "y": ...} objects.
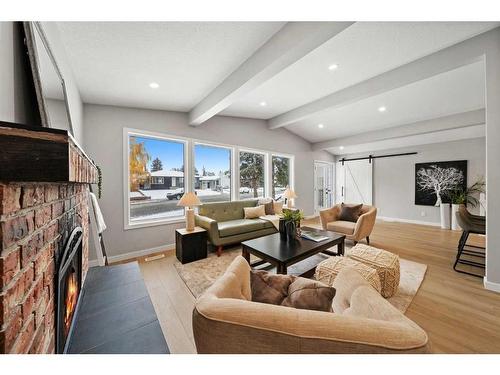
[
  {"x": 466, "y": 197},
  {"x": 292, "y": 220}
]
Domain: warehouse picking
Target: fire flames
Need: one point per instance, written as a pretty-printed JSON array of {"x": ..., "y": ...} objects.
[{"x": 70, "y": 302}]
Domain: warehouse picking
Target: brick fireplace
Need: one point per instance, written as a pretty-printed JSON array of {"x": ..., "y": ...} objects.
[{"x": 36, "y": 220}]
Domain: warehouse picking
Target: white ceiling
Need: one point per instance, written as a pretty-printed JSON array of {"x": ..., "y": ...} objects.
[
  {"x": 456, "y": 91},
  {"x": 362, "y": 51},
  {"x": 114, "y": 62}
]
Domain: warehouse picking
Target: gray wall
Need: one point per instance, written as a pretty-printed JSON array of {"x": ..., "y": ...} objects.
[
  {"x": 492, "y": 278},
  {"x": 13, "y": 80},
  {"x": 74, "y": 100},
  {"x": 103, "y": 134},
  {"x": 13, "y": 91},
  {"x": 394, "y": 178}
]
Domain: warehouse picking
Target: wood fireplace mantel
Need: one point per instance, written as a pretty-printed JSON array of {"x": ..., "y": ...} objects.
[{"x": 37, "y": 154}]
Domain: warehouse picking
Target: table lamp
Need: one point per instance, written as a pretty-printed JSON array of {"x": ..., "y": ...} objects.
[
  {"x": 289, "y": 194},
  {"x": 189, "y": 200}
]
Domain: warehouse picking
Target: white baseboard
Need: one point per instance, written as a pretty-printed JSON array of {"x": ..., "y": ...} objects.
[
  {"x": 490, "y": 285},
  {"x": 134, "y": 254},
  {"x": 409, "y": 221}
]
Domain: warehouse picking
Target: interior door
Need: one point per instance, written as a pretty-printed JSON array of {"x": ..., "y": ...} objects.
[
  {"x": 323, "y": 186},
  {"x": 356, "y": 182}
]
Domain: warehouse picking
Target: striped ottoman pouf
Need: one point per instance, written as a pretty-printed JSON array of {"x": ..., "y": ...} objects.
[
  {"x": 386, "y": 264},
  {"x": 327, "y": 271}
]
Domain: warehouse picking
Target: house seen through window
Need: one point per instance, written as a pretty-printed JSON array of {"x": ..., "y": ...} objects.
[
  {"x": 156, "y": 178},
  {"x": 212, "y": 173}
]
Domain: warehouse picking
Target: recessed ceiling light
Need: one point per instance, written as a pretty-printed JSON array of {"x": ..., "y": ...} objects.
[
  {"x": 263, "y": 104},
  {"x": 333, "y": 67},
  {"x": 154, "y": 85},
  {"x": 341, "y": 147},
  {"x": 321, "y": 126},
  {"x": 382, "y": 109}
]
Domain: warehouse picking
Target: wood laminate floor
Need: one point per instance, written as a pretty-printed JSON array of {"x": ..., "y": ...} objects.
[{"x": 459, "y": 315}]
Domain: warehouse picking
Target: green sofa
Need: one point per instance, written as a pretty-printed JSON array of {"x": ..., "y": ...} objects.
[{"x": 225, "y": 223}]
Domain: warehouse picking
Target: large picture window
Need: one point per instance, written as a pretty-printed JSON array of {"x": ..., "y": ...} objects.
[
  {"x": 159, "y": 169},
  {"x": 252, "y": 172},
  {"x": 156, "y": 178},
  {"x": 212, "y": 173},
  {"x": 281, "y": 175}
]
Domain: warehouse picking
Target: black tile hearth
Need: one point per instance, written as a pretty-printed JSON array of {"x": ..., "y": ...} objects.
[
  {"x": 116, "y": 314},
  {"x": 142, "y": 340}
]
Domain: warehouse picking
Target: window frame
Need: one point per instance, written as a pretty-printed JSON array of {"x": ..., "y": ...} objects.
[
  {"x": 189, "y": 164},
  {"x": 127, "y": 133},
  {"x": 291, "y": 182},
  {"x": 266, "y": 168},
  {"x": 231, "y": 149},
  {"x": 157, "y": 178}
]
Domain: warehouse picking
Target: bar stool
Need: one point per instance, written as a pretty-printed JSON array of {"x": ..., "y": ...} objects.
[{"x": 470, "y": 224}]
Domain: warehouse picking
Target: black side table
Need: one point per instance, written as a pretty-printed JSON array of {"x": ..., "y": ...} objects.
[{"x": 190, "y": 246}]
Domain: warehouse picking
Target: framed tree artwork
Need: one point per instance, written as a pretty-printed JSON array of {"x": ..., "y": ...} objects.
[{"x": 434, "y": 180}]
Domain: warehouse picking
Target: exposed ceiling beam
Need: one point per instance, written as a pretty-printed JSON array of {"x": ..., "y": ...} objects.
[
  {"x": 455, "y": 121},
  {"x": 292, "y": 42},
  {"x": 448, "y": 135},
  {"x": 463, "y": 53}
]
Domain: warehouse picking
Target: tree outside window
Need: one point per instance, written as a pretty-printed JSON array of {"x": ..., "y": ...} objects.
[
  {"x": 251, "y": 175},
  {"x": 156, "y": 175},
  {"x": 138, "y": 164},
  {"x": 281, "y": 175}
]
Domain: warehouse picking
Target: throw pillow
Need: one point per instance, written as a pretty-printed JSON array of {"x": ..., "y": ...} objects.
[
  {"x": 268, "y": 205},
  {"x": 269, "y": 288},
  {"x": 269, "y": 208},
  {"x": 291, "y": 291},
  {"x": 254, "y": 212},
  {"x": 309, "y": 295},
  {"x": 278, "y": 207},
  {"x": 350, "y": 212}
]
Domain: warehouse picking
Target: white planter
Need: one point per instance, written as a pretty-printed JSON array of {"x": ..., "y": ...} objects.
[
  {"x": 445, "y": 215},
  {"x": 454, "y": 222}
]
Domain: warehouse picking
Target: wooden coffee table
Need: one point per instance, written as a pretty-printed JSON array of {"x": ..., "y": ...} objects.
[{"x": 282, "y": 254}]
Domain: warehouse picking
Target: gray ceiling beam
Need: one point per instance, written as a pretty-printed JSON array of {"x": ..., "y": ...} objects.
[
  {"x": 291, "y": 43},
  {"x": 460, "y": 54},
  {"x": 455, "y": 121}
]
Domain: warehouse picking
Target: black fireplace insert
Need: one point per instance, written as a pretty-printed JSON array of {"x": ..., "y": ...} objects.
[{"x": 69, "y": 285}]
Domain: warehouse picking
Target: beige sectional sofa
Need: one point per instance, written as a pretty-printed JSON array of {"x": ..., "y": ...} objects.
[{"x": 225, "y": 320}]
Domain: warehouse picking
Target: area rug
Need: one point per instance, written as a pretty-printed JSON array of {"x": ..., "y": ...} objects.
[{"x": 199, "y": 275}]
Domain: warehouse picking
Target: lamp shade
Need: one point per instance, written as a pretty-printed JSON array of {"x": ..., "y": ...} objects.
[
  {"x": 289, "y": 194},
  {"x": 189, "y": 200}
]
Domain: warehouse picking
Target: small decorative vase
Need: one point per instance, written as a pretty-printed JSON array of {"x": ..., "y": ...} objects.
[
  {"x": 454, "y": 221},
  {"x": 444, "y": 209},
  {"x": 291, "y": 230},
  {"x": 282, "y": 229}
]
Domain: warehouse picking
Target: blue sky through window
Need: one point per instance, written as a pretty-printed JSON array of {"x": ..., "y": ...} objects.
[
  {"x": 215, "y": 159},
  {"x": 170, "y": 153}
]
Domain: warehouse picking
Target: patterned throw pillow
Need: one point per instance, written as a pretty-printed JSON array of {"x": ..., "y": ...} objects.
[{"x": 350, "y": 212}]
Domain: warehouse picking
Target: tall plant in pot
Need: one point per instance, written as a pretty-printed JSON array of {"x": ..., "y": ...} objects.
[{"x": 469, "y": 196}]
